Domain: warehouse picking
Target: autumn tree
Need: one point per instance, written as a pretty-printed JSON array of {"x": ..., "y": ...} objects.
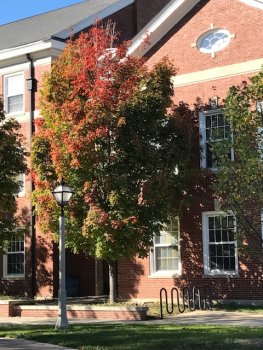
[
  {"x": 105, "y": 129},
  {"x": 239, "y": 181},
  {"x": 12, "y": 163}
]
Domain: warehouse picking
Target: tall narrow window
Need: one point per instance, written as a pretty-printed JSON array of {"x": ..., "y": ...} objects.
[
  {"x": 21, "y": 180},
  {"x": 165, "y": 256},
  {"x": 14, "y": 93},
  {"x": 14, "y": 259},
  {"x": 219, "y": 244},
  {"x": 212, "y": 125}
]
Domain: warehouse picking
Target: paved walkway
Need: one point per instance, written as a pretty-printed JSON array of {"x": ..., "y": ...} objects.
[{"x": 197, "y": 317}]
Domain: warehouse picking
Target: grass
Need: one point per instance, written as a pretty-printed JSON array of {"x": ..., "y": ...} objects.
[
  {"x": 142, "y": 336},
  {"x": 238, "y": 308}
]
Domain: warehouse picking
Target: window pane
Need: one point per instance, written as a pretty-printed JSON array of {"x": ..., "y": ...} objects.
[
  {"x": 231, "y": 235},
  {"x": 15, "y": 103},
  {"x": 224, "y": 235},
  {"x": 167, "y": 258},
  {"x": 211, "y": 222},
  {"x": 211, "y": 236},
  {"x": 15, "y": 264},
  {"x": 15, "y": 85},
  {"x": 218, "y": 236}
]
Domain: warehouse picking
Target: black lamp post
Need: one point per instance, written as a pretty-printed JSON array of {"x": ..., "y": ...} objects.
[{"x": 62, "y": 194}]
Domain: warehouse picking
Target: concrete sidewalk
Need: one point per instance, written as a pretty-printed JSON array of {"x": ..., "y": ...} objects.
[{"x": 196, "y": 317}]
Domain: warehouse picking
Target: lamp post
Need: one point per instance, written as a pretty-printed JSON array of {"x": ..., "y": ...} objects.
[{"x": 62, "y": 194}]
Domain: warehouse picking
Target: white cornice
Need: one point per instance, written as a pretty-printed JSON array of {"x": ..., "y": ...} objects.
[
  {"x": 254, "y": 3},
  {"x": 172, "y": 13},
  {"x": 77, "y": 27},
  {"x": 11, "y": 55}
]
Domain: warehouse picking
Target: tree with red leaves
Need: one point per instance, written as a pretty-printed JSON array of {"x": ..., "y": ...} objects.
[{"x": 109, "y": 128}]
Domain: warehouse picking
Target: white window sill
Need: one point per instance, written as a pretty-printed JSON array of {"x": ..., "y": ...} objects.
[
  {"x": 13, "y": 278},
  {"x": 16, "y": 114},
  {"x": 172, "y": 275},
  {"x": 21, "y": 194},
  {"x": 222, "y": 275}
]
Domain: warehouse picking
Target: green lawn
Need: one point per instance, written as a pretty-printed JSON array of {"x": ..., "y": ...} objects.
[{"x": 142, "y": 337}]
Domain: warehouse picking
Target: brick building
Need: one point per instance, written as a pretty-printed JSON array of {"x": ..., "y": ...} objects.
[{"x": 215, "y": 44}]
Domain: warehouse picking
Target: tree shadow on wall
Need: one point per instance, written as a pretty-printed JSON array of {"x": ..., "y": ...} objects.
[
  {"x": 130, "y": 272},
  {"x": 44, "y": 266},
  {"x": 37, "y": 272},
  {"x": 247, "y": 284}
]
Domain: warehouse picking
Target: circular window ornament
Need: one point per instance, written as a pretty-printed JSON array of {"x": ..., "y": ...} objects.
[{"x": 214, "y": 40}]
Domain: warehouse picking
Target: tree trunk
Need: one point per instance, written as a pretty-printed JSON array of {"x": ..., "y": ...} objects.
[{"x": 112, "y": 280}]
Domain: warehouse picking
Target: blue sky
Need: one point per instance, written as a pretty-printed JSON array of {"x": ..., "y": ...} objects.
[{"x": 14, "y": 10}]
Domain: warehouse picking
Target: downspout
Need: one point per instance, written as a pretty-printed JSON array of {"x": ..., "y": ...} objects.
[{"x": 31, "y": 89}]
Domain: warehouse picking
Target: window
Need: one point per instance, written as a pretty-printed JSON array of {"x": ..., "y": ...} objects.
[
  {"x": 14, "y": 259},
  {"x": 209, "y": 123},
  {"x": 214, "y": 40},
  {"x": 14, "y": 93},
  {"x": 21, "y": 179},
  {"x": 165, "y": 255},
  {"x": 219, "y": 244}
]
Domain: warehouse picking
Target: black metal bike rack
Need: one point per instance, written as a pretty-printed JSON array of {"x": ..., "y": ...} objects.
[{"x": 196, "y": 302}]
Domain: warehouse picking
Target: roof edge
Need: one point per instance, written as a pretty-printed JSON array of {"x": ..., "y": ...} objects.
[
  {"x": 253, "y": 3},
  {"x": 167, "y": 18}
]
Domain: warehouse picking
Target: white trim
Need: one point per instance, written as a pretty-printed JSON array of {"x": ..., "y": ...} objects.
[
  {"x": 205, "y": 233},
  {"x": 14, "y": 69},
  {"x": 166, "y": 19},
  {"x": 218, "y": 73},
  {"x": 77, "y": 27},
  {"x": 253, "y": 3}
]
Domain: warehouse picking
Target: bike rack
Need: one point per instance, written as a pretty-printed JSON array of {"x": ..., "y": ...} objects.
[{"x": 202, "y": 304}]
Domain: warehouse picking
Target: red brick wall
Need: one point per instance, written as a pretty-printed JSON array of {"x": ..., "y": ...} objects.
[{"x": 133, "y": 276}]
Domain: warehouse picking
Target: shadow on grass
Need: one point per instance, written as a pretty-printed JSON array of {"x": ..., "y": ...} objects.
[{"x": 142, "y": 337}]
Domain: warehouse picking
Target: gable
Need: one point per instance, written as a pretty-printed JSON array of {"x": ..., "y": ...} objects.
[
  {"x": 201, "y": 74},
  {"x": 169, "y": 17}
]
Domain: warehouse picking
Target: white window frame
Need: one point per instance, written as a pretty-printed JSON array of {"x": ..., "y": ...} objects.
[
  {"x": 206, "y": 257},
  {"x": 203, "y": 141},
  {"x": 22, "y": 111},
  {"x": 153, "y": 258},
  {"x": 5, "y": 262}
]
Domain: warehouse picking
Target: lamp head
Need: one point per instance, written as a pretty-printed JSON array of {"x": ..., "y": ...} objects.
[{"x": 62, "y": 194}]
